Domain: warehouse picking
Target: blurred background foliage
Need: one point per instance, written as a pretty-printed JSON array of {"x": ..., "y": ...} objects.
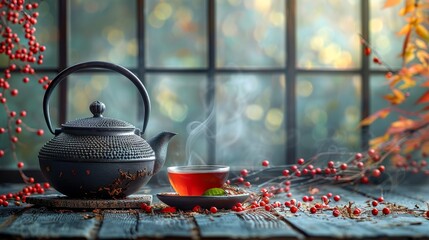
[{"x": 250, "y": 107}]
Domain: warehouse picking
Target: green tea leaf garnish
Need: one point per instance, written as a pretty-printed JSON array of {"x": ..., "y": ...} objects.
[{"x": 214, "y": 192}]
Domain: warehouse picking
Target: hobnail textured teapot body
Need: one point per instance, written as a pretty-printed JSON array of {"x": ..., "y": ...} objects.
[{"x": 100, "y": 157}]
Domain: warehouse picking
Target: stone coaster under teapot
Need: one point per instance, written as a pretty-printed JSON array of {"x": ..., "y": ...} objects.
[{"x": 62, "y": 201}]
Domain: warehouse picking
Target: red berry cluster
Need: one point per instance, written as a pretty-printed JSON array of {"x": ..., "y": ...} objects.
[
  {"x": 18, "y": 18},
  {"x": 20, "y": 197}
]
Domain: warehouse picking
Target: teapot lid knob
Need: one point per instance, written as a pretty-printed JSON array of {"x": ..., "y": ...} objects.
[{"x": 97, "y": 108}]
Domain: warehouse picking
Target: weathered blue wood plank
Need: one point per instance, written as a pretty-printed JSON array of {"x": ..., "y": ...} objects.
[
  {"x": 245, "y": 225},
  {"x": 118, "y": 225},
  {"x": 164, "y": 226},
  {"x": 42, "y": 223}
]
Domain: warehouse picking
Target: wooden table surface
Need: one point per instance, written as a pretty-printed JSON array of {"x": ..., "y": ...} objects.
[{"x": 39, "y": 222}]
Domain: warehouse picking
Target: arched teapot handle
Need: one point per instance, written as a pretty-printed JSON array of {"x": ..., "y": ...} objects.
[{"x": 96, "y": 64}]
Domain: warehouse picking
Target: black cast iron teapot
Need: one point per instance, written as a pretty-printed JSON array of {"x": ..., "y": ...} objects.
[{"x": 99, "y": 157}]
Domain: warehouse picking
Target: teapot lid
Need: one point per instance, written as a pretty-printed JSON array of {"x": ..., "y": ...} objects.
[{"x": 97, "y": 122}]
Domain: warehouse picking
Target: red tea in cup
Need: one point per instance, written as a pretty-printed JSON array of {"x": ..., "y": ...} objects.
[{"x": 194, "y": 180}]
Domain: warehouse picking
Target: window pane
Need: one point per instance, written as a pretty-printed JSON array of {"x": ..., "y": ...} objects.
[
  {"x": 328, "y": 34},
  {"x": 250, "y": 119},
  {"x": 103, "y": 30},
  {"x": 47, "y": 31},
  {"x": 328, "y": 114},
  {"x": 176, "y": 33},
  {"x": 384, "y": 24},
  {"x": 29, "y": 143},
  {"x": 178, "y": 106},
  {"x": 250, "y": 33},
  {"x": 117, "y": 92},
  {"x": 379, "y": 88}
]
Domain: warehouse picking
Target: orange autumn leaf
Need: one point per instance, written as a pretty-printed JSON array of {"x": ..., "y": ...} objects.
[
  {"x": 424, "y": 98},
  {"x": 410, "y": 145},
  {"x": 421, "y": 44},
  {"x": 375, "y": 142},
  {"x": 422, "y": 32},
  {"x": 391, "y": 3},
  {"x": 405, "y": 29},
  {"x": 383, "y": 113},
  {"x": 396, "y": 97},
  {"x": 409, "y": 7},
  {"x": 407, "y": 83},
  {"x": 401, "y": 126}
]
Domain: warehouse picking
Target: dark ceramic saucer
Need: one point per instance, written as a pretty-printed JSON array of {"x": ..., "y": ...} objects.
[{"x": 188, "y": 202}]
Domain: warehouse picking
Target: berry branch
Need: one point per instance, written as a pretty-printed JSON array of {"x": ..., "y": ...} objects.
[{"x": 18, "y": 18}]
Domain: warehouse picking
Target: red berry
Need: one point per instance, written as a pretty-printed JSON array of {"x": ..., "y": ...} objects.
[
  {"x": 336, "y": 213},
  {"x": 360, "y": 165},
  {"x": 240, "y": 180},
  {"x": 247, "y": 184},
  {"x": 18, "y": 130},
  {"x": 367, "y": 51},
  {"x": 26, "y": 80},
  {"x": 5, "y": 203},
  {"x": 427, "y": 214},
  {"x": 386, "y": 211},
  {"x": 376, "y": 60},
  {"x": 374, "y": 203},
  {"x": 343, "y": 166},
  {"x": 325, "y": 199},
  {"x": 267, "y": 208},
  {"x": 337, "y": 198},
  {"x": 381, "y": 168},
  {"x": 9, "y": 196},
  {"x": 14, "y": 139},
  {"x": 305, "y": 199},
  {"x": 12, "y": 114},
  {"x": 311, "y": 198},
  {"x": 244, "y": 172},
  {"x": 265, "y": 163},
  {"x": 31, "y": 180},
  {"x": 46, "y": 185},
  {"x": 374, "y": 211},
  {"x": 300, "y": 161},
  {"x": 40, "y": 132},
  {"x": 20, "y": 165},
  {"x": 40, "y": 190},
  {"x": 23, "y": 113},
  {"x": 313, "y": 210},
  {"x": 14, "y": 92},
  {"x": 358, "y": 156},
  {"x": 364, "y": 180},
  {"x": 289, "y": 195},
  {"x": 329, "y": 195},
  {"x": 376, "y": 173},
  {"x": 380, "y": 199},
  {"x": 285, "y": 172},
  {"x": 293, "y": 209},
  {"x": 356, "y": 212},
  {"x": 213, "y": 210},
  {"x": 18, "y": 121},
  {"x": 331, "y": 164},
  {"x": 294, "y": 168}
]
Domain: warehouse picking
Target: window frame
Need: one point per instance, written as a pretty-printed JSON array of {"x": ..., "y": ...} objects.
[{"x": 289, "y": 70}]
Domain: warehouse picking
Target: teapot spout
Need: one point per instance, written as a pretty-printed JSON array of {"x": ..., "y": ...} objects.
[{"x": 159, "y": 144}]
